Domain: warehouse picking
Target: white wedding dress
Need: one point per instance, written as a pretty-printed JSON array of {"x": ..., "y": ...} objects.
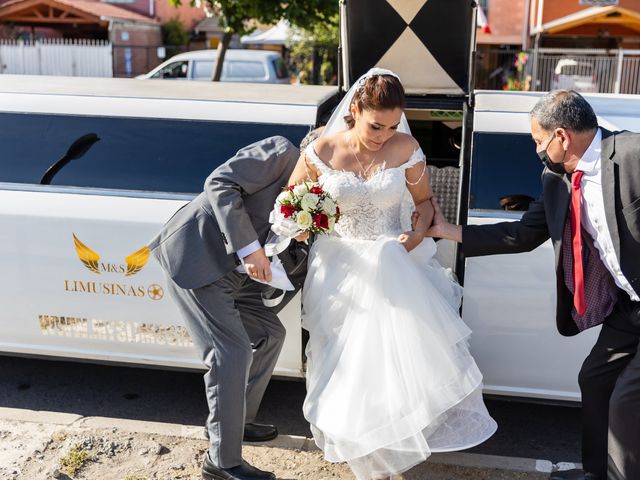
[{"x": 389, "y": 375}]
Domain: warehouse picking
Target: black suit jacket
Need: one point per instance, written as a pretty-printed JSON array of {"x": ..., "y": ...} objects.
[{"x": 546, "y": 218}]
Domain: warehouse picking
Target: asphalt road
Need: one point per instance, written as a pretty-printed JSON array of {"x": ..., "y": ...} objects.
[{"x": 548, "y": 432}]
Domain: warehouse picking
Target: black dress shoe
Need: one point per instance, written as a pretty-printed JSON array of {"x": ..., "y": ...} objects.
[
  {"x": 573, "y": 474},
  {"x": 244, "y": 471},
  {"x": 254, "y": 432}
]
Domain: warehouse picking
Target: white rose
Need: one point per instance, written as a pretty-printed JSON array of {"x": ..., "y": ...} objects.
[
  {"x": 300, "y": 190},
  {"x": 304, "y": 220},
  {"x": 329, "y": 206},
  {"x": 309, "y": 202},
  {"x": 282, "y": 197}
]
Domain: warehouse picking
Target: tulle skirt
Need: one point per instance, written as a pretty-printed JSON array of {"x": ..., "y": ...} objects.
[{"x": 389, "y": 375}]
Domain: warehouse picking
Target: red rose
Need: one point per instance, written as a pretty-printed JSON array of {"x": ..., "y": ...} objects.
[
  {"x": 321, "y": 221},
  {"x": 287, "y": 210},
  {"x": 291, "y": 187},
  {"x": 317, "y": 190}
]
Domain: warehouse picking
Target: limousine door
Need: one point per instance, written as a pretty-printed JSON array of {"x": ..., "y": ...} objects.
[
  {"x": 430, "y": 45},
  {"x": 510, "y": 299},
  {"x": 78, "y": 280}
]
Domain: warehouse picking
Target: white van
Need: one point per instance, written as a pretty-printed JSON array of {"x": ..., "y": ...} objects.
[{"x": 240, "y": 65}]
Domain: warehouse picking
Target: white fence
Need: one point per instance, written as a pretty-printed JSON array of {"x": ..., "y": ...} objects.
[
  {"x": 606, "y": 71},
  {"x": 76, "y": 58}
]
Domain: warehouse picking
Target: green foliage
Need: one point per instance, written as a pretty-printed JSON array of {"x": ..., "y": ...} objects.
[
  {"x": 74, "y": 460},
  {"x": 320, "y": 40},
  {"x": 236, "y": 16},
  {"x": 174, "y": 33}
]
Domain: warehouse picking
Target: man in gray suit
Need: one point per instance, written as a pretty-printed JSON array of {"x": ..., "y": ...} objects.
[
  {"x": 237, "y": 337},
  {"x": 590, "y": 208}
]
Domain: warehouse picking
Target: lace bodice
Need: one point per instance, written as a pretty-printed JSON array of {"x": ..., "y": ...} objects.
[{"x": 368, "y": 207}]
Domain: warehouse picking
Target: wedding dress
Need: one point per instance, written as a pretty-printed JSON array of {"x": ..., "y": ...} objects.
[{"x": 389, "y": 375}]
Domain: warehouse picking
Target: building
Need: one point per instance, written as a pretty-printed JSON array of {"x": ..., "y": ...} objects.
[{"x": 605, "y": 24}]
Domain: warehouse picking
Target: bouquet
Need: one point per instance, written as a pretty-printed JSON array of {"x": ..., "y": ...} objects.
[{"x": 303, "y": 208}]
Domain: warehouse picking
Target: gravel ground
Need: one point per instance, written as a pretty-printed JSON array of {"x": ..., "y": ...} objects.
[{"x": 34, "y": 451}]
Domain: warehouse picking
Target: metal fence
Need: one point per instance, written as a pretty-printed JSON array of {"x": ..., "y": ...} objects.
[
  {"x": 604, "y": 71},
  {"x": 88, "y": 58}
]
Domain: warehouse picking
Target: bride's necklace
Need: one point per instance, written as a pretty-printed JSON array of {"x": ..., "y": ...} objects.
[{"x": 363, "y": 170}]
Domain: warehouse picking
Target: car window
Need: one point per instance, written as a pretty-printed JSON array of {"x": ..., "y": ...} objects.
[
  {"x": 584, "y": 69},
  {"x": 505, "y": 169},
  {"x": 246, "y": 69},
  {"x": 132, "y": 153},
  {"x": 280, "y": 68},
  {"x": 173, "y": 70},
  {"x": 203, "y": 69}
]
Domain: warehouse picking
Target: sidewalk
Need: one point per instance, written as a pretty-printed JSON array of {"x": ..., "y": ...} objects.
[{"x": 33, "y": 445}]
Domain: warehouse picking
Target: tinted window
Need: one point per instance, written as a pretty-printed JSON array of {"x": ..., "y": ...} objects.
[
  {"x": 173, "y": 70},
  {"x": 243, "y": 69},
  {"x": 203, "y": 69},
  {"x": 281, "y": 68},
  {"x": 132, "y": 154},
  {"x": 579, "y": 69},
  {"x": 503, "y": 165}
]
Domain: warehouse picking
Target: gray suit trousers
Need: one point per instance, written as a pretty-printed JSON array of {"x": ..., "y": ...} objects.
[{"x": 239, "y": 340}]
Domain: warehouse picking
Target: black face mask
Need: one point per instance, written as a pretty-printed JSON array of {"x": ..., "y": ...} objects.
[{"x": 546, "y": 161}]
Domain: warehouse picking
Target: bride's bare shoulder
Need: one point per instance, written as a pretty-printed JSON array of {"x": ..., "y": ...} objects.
[
  {"x": 325, "y": 147},
  {"x": 403, "y": 146},
  {"x": 406, "y": 142}
]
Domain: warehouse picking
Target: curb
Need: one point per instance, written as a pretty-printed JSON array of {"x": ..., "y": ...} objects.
[{"x": 290, "y": 442}]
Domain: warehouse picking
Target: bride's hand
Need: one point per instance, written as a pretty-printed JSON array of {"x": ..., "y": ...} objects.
[{"x": 410, "y": 240}]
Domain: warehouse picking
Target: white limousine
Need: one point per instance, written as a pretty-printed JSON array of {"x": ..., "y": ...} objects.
[{"x": 78, "y": 282}]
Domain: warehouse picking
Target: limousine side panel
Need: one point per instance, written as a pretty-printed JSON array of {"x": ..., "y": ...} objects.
[
  {"x": 509, "y": 300},
  {"x": 78, "y": 282},
  {"x": 509, "y": 303}
]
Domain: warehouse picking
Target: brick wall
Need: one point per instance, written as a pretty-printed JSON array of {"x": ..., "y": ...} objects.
[
  {"x": 189, "y": 16},
  {"x": 134, "y": 48},
  {"x": 506, "y": 19}
]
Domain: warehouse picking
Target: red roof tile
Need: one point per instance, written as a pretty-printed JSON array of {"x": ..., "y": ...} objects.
[{"x": 92, "y": 7}]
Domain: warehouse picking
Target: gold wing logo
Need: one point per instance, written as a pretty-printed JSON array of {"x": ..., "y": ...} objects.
[
  {"x": 87, "y": 256},
  {"x": 137, "y": 260}
]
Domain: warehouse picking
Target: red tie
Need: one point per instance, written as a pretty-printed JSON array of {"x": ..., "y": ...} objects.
[{"x": 576, "y": 240}]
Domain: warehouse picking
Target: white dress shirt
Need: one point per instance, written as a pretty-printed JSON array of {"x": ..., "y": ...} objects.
[
  {"x": 592, "y": 216},
  {"x": 244, "y": 251}
]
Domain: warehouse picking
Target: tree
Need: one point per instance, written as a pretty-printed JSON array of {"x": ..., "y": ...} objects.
[
  {"x": 238, "y": 17},
  {"x": 314, "y": 51},
  {"x": 174, "y": 35}
]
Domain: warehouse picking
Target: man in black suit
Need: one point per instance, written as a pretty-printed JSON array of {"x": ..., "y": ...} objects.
[{"x": 590, "y": 208}]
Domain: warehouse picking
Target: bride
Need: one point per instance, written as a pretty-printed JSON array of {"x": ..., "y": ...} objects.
[{"x": 389, "y": 376}]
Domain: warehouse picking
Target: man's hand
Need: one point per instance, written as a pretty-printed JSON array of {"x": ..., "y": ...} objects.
[
  {"x": 258, "y": 265},
  {"x": 438, "y": 223},
  {"x": 303, "y": 237},
  {"x": 440, "y": 228},
  {"x": 415, "y": 216}
]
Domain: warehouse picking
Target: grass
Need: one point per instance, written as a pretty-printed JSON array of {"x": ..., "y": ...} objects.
[{"x": 74, "y": 460}]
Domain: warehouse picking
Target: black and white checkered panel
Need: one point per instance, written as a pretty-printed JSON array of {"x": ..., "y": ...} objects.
[
  {"x": 426, "y": 42},
  {"x": 444, "y": 183}
]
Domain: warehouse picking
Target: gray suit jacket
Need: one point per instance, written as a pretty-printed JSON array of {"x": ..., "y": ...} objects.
[
  {"x": 197, "y": 245},
  {"x": 546, "y": 218}
]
